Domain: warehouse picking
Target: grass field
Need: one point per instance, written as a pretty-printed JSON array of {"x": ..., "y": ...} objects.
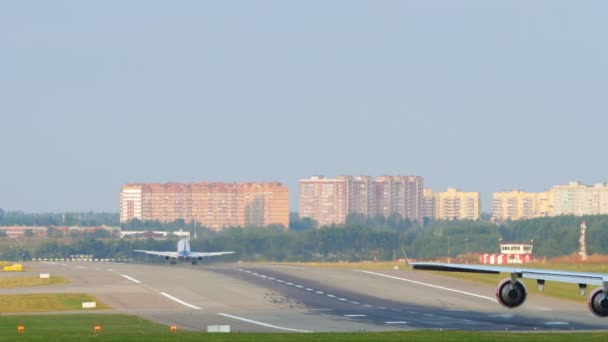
[
  {"x": 7, "y": 282},
  {"x": 131, "y": 328},
  {"x": 45, "y": 302}
]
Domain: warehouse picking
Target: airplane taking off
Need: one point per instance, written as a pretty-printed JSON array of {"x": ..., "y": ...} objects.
[
  {"x": 183, "y": 253},
  {"x": 511, "y": 291}
]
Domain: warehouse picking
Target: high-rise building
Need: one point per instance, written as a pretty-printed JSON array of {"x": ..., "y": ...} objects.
[
  {"x": 399, "y": 194},
  {"x": 457, "y": 205},
  {"x": 213, "y": 205},
  {"x": 429, "y": 204},
  {"x": 519, "y": 205},
  {"x": 575, "y": 198},
  {"x": 330, "y": 201},
  {"x": 324, "y": 200}
]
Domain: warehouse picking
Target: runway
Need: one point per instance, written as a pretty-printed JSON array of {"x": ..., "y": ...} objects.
[{"x": 278, "y": 298}]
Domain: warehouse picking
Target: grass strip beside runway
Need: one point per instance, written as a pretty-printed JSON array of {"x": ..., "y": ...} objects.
[
  {"x": 8, "y": 282},
  {"x": 45, "y": 302},
  {"x": 132, "y": 328}
]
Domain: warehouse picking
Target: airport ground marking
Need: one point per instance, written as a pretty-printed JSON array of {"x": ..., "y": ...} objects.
[
  {"x": 429, "y": 285},
  {"x": 131, "y": 279},
  {"x": 356, "y": 315},
  {"x": 180, "y": 301},
  {"x": 396, "y": 322},
  {"x": 262, "y": 323}
]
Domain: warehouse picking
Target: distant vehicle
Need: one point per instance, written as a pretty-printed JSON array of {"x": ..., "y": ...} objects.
[
  {"x": 511, "y": 292},
  {"x": 183, "y": 253}
]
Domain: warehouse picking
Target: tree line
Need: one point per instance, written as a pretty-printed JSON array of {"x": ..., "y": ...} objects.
[
  {"x": 83, "y": 219},
  {"x": 355, "y": 240}
]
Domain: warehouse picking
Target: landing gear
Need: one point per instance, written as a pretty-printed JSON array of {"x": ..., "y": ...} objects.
[
  {"x": 193, "y": 262},
  {"x": 172, "y": 262}
]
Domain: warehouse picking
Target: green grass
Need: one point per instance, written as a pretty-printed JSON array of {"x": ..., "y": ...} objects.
[
  {"x": 7, "y": 282},
  {"x": 131, "y": 328},
  {"x": 45, "y": 302}
]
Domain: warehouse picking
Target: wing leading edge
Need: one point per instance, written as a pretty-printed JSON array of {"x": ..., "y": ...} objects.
[{"x": 598, "y": 279}]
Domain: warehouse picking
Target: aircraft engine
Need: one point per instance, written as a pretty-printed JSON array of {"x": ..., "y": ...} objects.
[
  {"x": 511, "y": 295},
  {"x": 598, "y": 302},
  {"x": 166, "y": 258},
  {"x": 200, "y": 258}
]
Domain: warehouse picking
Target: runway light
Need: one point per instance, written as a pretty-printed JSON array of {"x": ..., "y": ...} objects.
[
  {"x": 97, "y": 328},
  {"x": 174, "y": 328},
  {"x": 20, "y": 328}
]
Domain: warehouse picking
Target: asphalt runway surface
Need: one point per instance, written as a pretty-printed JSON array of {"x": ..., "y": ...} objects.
[{"x": 279, "y": 298}]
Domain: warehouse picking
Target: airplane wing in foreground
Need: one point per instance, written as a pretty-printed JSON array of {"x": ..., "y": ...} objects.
[
  {"x": 511, "y": 292},
  {"x": 597, "y": 279}
]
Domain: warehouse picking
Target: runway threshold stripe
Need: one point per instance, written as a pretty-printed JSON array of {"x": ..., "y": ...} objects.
[
  {"x": 429, "y": 285},
  {"x": 131, "y": 279},
  {"x": 262, "y": 324},
  {"x": 180, "y": 301}
]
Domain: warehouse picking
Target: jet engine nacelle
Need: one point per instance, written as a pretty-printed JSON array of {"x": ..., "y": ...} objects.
[
  {"x": 511, "y": 294},
  {"x": 598, "y": 302}
]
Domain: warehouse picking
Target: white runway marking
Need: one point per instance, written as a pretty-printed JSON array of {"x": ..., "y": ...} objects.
[
  {"x": 280, "y": 281},
  {"x": 81, "y": 267},
  {"x": 557, "y": 323},
  {"x": 180, "y": 301},
  {"x": 308, "y": 289},
  {"x": 288, "y": 284},
  {"x": 356, "y": 315},
  {"x": 262, "y": 324},
  {"x": 299, "y": 286},
  {"x": 396, "y": 322},
  {"x": 131, "y": 279},
  {"x": 281, "y": 266},
  {"x": 330, "y": 295},
  {"x": 429, "y": 285},
  {"x": 319, "y": 292},
  {"x": 342, "y": 299},
  {"x": 356, "y": 303}
]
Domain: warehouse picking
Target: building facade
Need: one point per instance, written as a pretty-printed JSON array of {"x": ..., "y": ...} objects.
[
  {"x": 330, "y": 201},
  {"x": 212, "y": 205},
  {"x": 519, "y": 205},
  {"x": 454, "y": 204}
]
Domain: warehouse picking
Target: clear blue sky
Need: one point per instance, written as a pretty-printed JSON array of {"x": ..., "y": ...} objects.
[{"x": 478, "y": 95}]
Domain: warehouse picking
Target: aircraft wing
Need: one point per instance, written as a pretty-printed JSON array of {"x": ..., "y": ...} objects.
[
  {"x": 165, "y": 254},
  {"x": 207, "y": 254},
  {"x": 599, "y": 279}
]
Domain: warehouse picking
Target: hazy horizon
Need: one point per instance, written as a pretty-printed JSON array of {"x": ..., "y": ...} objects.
[{"x": 476, "y": 95}]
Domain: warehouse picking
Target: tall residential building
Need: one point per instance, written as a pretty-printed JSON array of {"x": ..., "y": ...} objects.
[
  {"x": 330, "y": 201},
  {"x": 324, "y": 200},
  {"x": 519, "y": 205},
  {"x": 213, "y": 205},
  {"x": 429, "y": 203},
  {"x": 399, "y": 194},
  {"x": 575, "y": 198},
  {"x": 457, "y": 205}
]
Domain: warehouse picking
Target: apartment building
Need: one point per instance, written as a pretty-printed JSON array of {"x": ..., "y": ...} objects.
[
  {"x": 213, "y": 205},
  {"x": 520, "y": 205},
  {"x": 324, "y": 200},
  {"x": 453, "y": 204},
  {"x": 576, "y": 198},
  {"x": 330, "y": 201}
]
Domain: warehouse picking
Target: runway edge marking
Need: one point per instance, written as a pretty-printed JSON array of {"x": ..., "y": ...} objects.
[
  {"x": 180, "y": 301},
  {"x": 262, "y": 324},
  {"x": 429, "y": 285},
  {"x": 129, "y": 278}
]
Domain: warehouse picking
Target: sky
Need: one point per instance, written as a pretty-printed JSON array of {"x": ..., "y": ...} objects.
[{"x": 478, "y": 95}]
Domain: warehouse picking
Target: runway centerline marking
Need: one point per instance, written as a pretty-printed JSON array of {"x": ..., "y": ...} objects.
[
  {"x": 396, "y": 322},
  {"x": 356, "y": 315},
  {"x": 429, "y": 285},
  {"x": 262, "y": 324},
  {"x": 180, "y": 301},
  {"x": 131, "y": 279}
]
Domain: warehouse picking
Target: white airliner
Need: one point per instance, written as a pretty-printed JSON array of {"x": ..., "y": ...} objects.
[
  {"x": 511, "y": 292},
  {"x": 183, "y": 253}
]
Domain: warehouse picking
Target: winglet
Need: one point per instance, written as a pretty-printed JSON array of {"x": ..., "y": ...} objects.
[{"x": 407, "y": 261}]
